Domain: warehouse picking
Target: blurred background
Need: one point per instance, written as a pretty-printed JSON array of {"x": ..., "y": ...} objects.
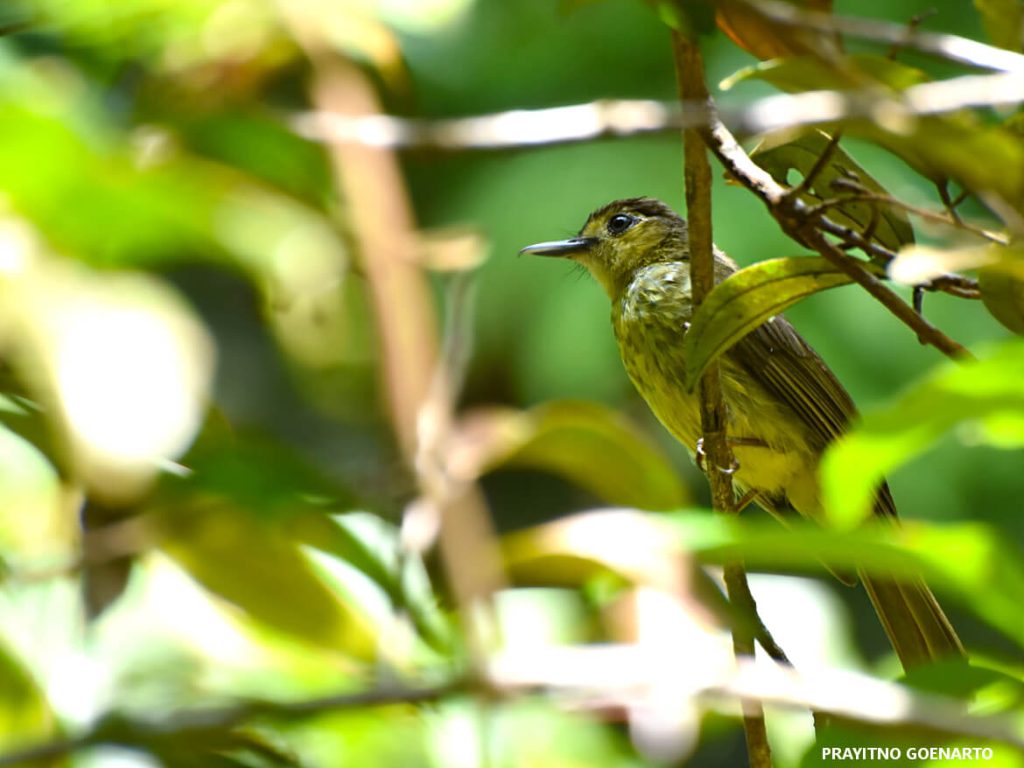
[{"x": 215, "y": 331}]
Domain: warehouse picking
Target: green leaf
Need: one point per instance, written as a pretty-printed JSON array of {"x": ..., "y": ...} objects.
[
  {"x": 292, "y": 500},
  {"x": 981, "y": 157},
  {"x": 748, "y": 298},
  {"x": 987, "y": 394},
  {"x": 253, "y": 566},
  {"x": 970, "y": 562},
  {"x": 1003, "y": 294},
  {"x": 25, "y": 715},
  {"x": 1003, "y": 20},
  {"x": 588, "y": 444},
  {"x": 891, "y": 228},
  {"x": 795, "y": 74}
]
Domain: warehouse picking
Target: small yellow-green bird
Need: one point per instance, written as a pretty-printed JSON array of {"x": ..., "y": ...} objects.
[{"x": 784, "y": 406}]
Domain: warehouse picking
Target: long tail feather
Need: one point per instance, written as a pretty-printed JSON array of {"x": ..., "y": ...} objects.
[{"x": 914, "y": 621}]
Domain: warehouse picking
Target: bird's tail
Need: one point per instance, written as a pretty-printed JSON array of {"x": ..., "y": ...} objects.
[{"x": 914, "y": 621}]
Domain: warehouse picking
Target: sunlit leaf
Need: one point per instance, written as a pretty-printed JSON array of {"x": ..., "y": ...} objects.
[
  {"x": 25, "y": 716},
  {"x": 36, "y": 521},
  {"x": 970, "y": 562},
  {"x": 888, "y": 224},
  {"x": 988, "y": 392},
  {"x": 589, "y": 444},
  {"x": 632, "y": 545},
  {"x": 918, "y": 264},
  {"x": 251, "y": 565},
  {"x": 295, "y": 501},
  {"x": 121, "y": 363},
  {"x": 748, "y": 298},
  {"x": 769, "y": 39}
]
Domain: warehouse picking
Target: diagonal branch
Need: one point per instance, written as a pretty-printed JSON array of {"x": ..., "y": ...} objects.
[{"x": 799, "y": 222}]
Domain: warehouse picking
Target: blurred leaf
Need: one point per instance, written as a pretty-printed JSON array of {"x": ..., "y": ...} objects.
[
  {"x": 796, "y": 74},
  {"x": 981, "y": 157},
  {"x": 250, "y": 564},
  {"x": 769, "y": 39},
  {"x": 121, "y": 364},
  {"x": 167, "y": 35},
  {"x": 25, "y": 715},
  {"x": 1004, "y": 22},
  {"x": 59, "y": 154},
  {"x": 986, "y": 394},
  {"x": 748, "y": 298},
  {"x": 589, "y": 444},
  {"x": 1000, "y": 275},
  {"x": 575, "y": 549},
  {"x": 972, "y": 562},
  {"x": 1002, "y": 291},
  {"x": 891, "y": 224},
  {"x": 295, "y": 501},
  {"x": 918, "y": 264},
  {"x": 36, "y": 521}
]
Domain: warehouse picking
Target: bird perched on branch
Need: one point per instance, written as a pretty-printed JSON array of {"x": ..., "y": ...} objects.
[{"x": 783, "y": 405}]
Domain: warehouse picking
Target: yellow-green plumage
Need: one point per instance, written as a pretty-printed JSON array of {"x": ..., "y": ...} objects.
[{"x": 783, "y": 405}]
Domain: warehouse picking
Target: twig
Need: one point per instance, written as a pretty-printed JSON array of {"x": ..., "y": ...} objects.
[
  {"x": 862, "y": 194},
  {"x": 792, "y": 215},
  {"x": 819, "y": 165},
  {"x": 690, "y": 81}
]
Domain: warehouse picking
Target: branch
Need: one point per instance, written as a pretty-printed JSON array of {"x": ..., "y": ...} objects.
[
  {"x": 690, "y": 80},
  {"x": 798, "y": 221},
  {"x": 962, "y": 50},
  {"x": 633, "y": 117}
]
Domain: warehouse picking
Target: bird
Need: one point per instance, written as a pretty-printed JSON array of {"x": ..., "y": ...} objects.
[{"x": 783, "y": 405}]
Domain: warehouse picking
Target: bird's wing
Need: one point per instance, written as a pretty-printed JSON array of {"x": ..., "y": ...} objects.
[{"x": 778, "y": 357}]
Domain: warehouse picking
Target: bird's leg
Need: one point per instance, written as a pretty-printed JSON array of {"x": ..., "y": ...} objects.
[{"x": 732, "y": 442}]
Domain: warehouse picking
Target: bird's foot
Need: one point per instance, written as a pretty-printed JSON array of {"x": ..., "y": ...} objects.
[{"x": 732, "y": 442}]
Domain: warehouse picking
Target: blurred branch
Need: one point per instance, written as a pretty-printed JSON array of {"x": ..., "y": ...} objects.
[
  {"x": 422, "y": 385},
  {"x": 962, "y": 50},
  {"x": 626, "y": 117},
  {"x": 799, "y": 222},
  {"x": 720, "y": 461},
  {"x": 587, "y": 677},
  {"x": 380, "y": 220},
  {"x": 599, "y": 674}
]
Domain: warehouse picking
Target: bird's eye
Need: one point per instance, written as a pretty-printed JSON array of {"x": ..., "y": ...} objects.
[{"x": 619, "y": 223}]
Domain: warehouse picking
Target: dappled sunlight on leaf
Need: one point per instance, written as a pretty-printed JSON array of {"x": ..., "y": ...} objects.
[
  {"x": 587, "y": 443},
  {"x": 121, "y": 360},
  {"x": 974, "y": 391}
]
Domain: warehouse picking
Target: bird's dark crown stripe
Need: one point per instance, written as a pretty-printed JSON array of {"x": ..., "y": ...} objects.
[{"x": 645, "y": 206}]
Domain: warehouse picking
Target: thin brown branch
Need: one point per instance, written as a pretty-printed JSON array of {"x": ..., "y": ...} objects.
[
  {"x": 691, "y": 84},
  {"x": 859, "y": 193},
  {"x": 421, "y": 383},
  {"x": 792, "y": 215}
]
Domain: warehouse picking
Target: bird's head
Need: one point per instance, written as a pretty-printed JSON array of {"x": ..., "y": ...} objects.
[{"x": 620, "y": 238}]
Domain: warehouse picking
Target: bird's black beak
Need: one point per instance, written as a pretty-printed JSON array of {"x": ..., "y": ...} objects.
[{"x": 569, "y": 247}]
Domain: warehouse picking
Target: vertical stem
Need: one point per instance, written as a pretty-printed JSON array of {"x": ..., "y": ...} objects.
[{"x": 690, "y": 79}]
